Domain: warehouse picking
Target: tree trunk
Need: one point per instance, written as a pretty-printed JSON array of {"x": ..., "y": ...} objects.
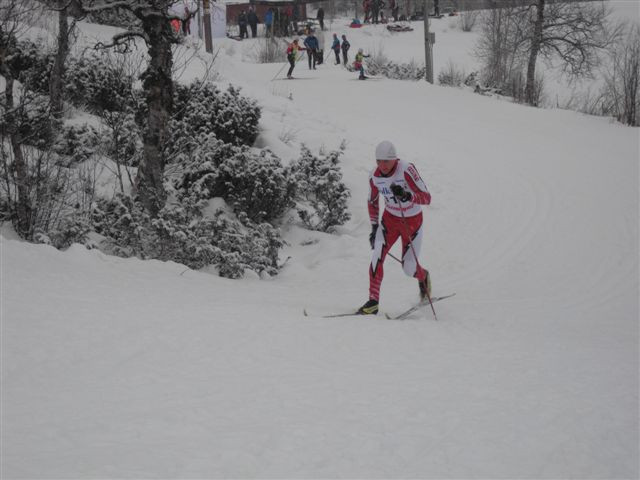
[
  {"x": 23, "y": 203},
  {"x": 56, "y": 81},
  {"x": 536, "y": 40},
  {"x": 158, "y": 86}
]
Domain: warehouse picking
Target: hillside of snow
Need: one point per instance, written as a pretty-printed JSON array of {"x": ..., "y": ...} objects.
[{"x": 122, "y": 368}]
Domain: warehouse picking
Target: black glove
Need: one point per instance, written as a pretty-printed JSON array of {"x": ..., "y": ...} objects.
[
  {"x": 372, "y": 236},
  {"x": 400, "y": 193}
]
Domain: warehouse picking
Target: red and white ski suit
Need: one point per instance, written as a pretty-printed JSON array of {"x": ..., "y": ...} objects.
[{"x": 393, "y": 225}]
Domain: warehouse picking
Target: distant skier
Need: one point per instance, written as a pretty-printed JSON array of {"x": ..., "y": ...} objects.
[
  {"x": 335, "y": 46},
  {"x": 403, "y": 191},
  {"x": 358, "y": 64},
  {"x": 292, "y": 55},
  {"x": 345, "y": 49}
]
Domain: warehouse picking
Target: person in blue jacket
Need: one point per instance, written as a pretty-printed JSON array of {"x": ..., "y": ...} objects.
[
  {"x": 311, "y": 42},
  {"x": 335, "y": 46},
  {"x": 268, "y": 22}
]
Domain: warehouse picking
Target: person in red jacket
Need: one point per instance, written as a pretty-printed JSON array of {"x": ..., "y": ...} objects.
[
  {"x": 292, "y": 55},
  {"x": 404, "y": 191}
]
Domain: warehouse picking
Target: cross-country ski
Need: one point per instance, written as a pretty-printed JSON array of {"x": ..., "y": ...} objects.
[{"x": 422, "y": 304}]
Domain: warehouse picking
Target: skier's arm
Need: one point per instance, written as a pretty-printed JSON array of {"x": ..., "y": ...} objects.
[
  {"x": 373, "y": 203},
  {"x": 419, "y": 190}
]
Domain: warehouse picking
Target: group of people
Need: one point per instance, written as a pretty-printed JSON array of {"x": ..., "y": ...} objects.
[
  {"x": 278, "y": 21},
  {"x": 315, "y": 53},
  {"x": 374, "y": 10},
  {"x": 283, "y": 21},
  {"x": 248, "y": 19}
]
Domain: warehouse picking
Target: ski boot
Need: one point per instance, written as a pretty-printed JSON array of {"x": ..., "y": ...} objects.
[
  {"x": 369, "y": 308},
  {"x": 425, "y": 287}
]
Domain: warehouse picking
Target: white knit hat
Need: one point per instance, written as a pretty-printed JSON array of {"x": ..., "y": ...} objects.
[{"x": 386, "y": 151}]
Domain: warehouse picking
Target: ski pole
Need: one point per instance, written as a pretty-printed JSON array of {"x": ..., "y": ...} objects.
[
  {"x": 296, "y": 62},
  {"x": 394, "y": 257},
  {"x": 282, "y": 68},
  {"x": 413, "y": 250}
]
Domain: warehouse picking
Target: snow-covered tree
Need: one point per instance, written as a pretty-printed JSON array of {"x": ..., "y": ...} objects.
[
  {"x": 570, "y": 32},
  {"x": 154, "y": 27}
]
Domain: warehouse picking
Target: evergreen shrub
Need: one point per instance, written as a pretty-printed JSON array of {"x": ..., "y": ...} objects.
[
  {"x": 201, "y": 108},
  {"x": 98, "y": 83},
  {"x": 32, "y": 63},
  {"x": 253, "y": 183},
  {"x": 321, "y": 193},
  {"x": 77, "y": 142},
  {"x": 182, "y": 234},
  {"x": 396, "y": 71},
  {"x": 31, "y": 120}
]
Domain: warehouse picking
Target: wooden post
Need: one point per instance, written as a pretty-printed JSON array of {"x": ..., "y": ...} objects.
[
  {"x": 207, "y": 26},
  {"x": 428, "y": 47}
]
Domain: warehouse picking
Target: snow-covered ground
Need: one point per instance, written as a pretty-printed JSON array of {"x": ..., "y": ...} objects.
[{"x": 121, "y": 368}]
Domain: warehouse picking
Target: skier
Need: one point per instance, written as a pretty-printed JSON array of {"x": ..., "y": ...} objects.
[
  {"x": 311, "y": 42},
  {"x": 292, "y": 55},
  {"x": 358, "y": 64},
  {"x": 335, "y": 46},
  {"x": 345, "y": 49},
  {"x": 403, "y": 191}
]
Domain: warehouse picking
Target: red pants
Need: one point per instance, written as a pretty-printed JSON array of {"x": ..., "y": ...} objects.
[{"x": 392, "y": 227}]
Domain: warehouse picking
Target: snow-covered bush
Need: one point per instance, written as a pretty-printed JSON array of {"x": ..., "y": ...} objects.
[
  {"x": 322, "y": 194},
  {"x": 77, "y": 142},
  {"x": 253, "y": 183},
  {"x": 31, "y": 119},
  {"x": 71, "y": 229},
  {"x": 116, "y": 17},
  {"x": 33, "y": 63},
  {"x": 270, "y": 50},
  {"x": 52, "y": 202},
  {"x": 123, "y": 138},
  {"x": 452, "y": 75},
  {"x": 201, "y": 108},
  {"x": 97, "y": 82},
  {"x": 182, "y": 234},
  {"x": 468, "y": 19},
  {"x": 396, "y": 71}
]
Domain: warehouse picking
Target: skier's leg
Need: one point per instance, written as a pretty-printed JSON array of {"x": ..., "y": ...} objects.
[
  {"x": 292, "y": 62},
  {"x": 386, "y": 236},
  {"x": 410, "y": 265}
]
